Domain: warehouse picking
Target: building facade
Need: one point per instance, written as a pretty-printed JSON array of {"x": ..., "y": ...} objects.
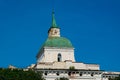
[{"x": 56, "y": 59}]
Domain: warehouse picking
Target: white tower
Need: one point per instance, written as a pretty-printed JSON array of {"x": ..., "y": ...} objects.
[{"x": 56, "y": 48}]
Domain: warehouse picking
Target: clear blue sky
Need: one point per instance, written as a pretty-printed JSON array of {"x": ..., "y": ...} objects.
[{"x": 93, "y": 26}]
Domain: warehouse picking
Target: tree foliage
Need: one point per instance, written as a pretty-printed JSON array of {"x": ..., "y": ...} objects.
[
  {"x": 72, "y": 68},
  {"x": 116, "y": 78},
  {"x": 19, "y": 74},
  {"x": 62, "y": 78}
]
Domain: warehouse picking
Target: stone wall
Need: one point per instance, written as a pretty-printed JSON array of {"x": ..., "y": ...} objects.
[
  {"x": 52, "y": 74},
  {"x": 66, "y": 65},
  {"x": 51, "y": 54}
]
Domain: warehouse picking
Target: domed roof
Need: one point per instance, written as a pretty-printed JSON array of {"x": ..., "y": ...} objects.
[{"x": 60, "y": 42}]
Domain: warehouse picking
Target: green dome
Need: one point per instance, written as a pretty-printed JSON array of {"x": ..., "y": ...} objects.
[{"x": 58, "y": 42}]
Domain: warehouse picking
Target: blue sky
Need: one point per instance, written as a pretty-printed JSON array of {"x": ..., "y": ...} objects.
[{"x": 93, "y": 26}]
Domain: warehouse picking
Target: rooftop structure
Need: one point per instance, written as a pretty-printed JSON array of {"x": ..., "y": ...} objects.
[{"x": 56, "y": 59}]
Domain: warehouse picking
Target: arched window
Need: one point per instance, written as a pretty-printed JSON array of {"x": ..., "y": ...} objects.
[
  {"x": 59, "y": 57},
  {"x": 92, "y": 74}
]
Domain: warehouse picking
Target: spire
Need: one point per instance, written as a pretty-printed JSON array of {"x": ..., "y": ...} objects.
[
  {"x": 54, "y": 25},
  {"x": 54, "y": 30}
]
